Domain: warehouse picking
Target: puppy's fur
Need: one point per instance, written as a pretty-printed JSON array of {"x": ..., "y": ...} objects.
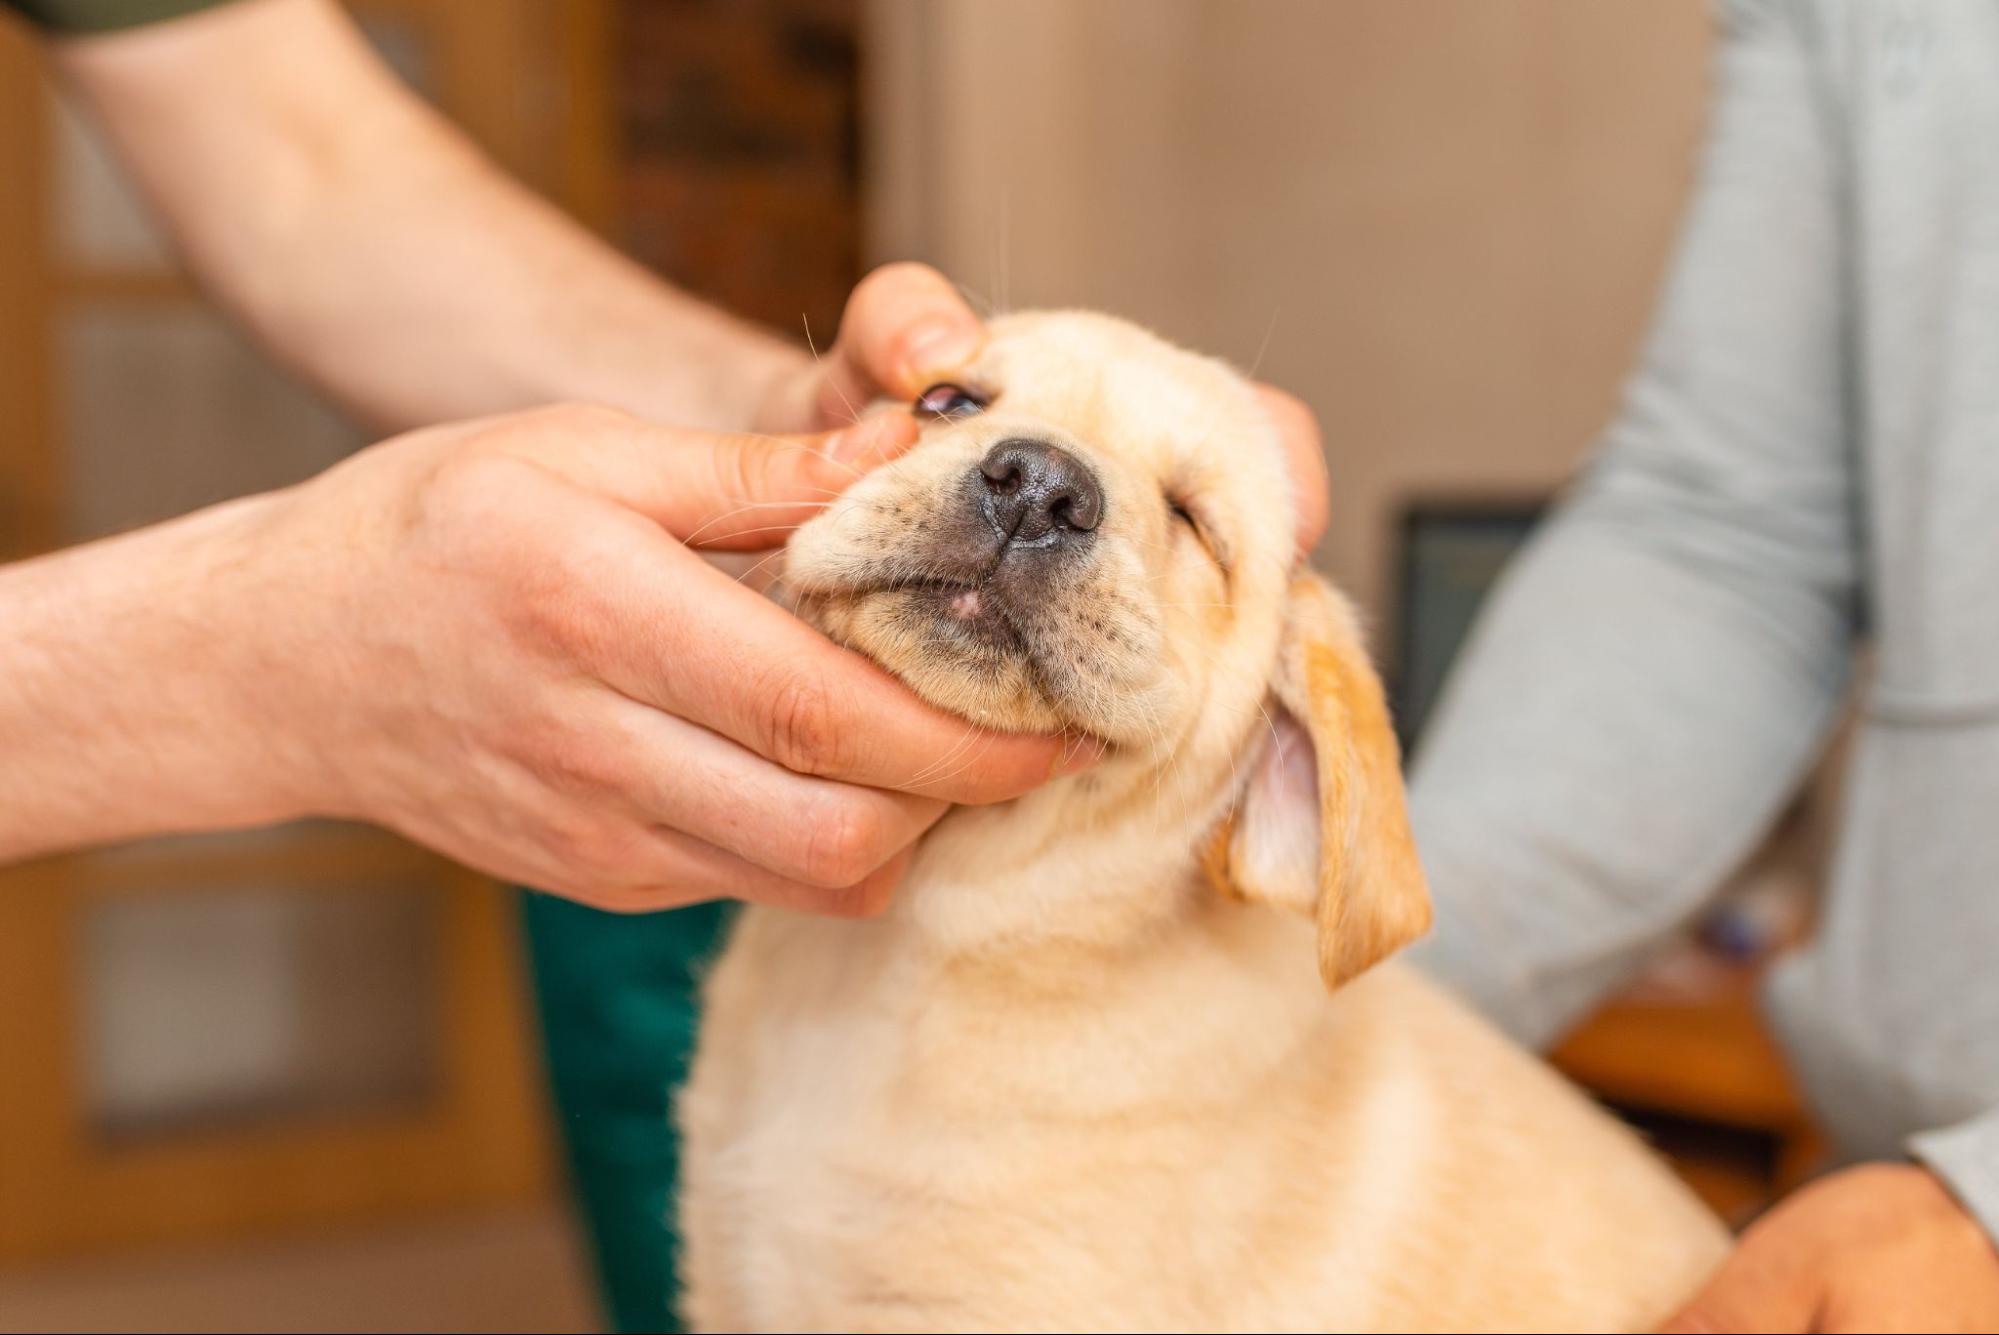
[{"x": 1084, "y": 1075}]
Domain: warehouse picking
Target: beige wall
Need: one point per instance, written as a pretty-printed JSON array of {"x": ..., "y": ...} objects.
[{"x": 1446, "y": 217}]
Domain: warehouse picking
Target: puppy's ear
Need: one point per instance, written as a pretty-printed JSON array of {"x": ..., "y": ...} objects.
[{"x": 1321, "y": 826}]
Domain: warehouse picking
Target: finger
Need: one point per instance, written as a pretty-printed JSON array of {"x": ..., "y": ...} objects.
[
  {"x": 1305, "y": 455},
  {"x": 729, "y": 490},
  {"x": 684, "y": 870},
  {"x": 813, "y": 831},
  {"x": 905, "y": 327},
  {"x": 671, "y": 632},
  {"x": 1753, "y": 1294},
  {"x": 743, "y": 491}
]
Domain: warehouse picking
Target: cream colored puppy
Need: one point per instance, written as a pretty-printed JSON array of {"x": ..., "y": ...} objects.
[{"x": 1086, "y": 1073}]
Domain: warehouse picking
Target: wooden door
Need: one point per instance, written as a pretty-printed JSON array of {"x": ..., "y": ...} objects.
[{"x": 215, "y": 1036}]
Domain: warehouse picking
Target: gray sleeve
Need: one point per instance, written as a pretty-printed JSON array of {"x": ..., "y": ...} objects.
[
  {"x": 1657, "y": 670},
  {"x": 1966, "y": 1157}
]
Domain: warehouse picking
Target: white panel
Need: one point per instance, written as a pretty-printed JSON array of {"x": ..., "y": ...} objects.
[
  {"x": 258, "y": 1000},
  {"x": 194, "y": 1004},
  {"x": 99, "y": 222}
]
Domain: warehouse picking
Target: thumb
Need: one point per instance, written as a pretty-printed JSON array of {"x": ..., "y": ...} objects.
[
  {"x": 745, "y": 491},
  {"x": 734, "y": 490},
  {"x": 1749, "y": 1294}
]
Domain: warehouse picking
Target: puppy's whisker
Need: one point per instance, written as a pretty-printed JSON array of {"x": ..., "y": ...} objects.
[
  {"x": 784, "y": 444},
  {"x": 977, "y": 300},
  {"x": 693, "y": 539},
  {"x": 753, "y": 571},
  {"x": 932, "y": 771},
  {"x": 832, "y": 378},
  {"x": 1264, "y": 346}
]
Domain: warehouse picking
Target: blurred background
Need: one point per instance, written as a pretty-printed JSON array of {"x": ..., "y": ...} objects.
[{"x": 288, "y": 1080}]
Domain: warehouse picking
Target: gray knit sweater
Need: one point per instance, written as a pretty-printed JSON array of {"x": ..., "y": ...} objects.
[{"x": 1808, "y": 456}]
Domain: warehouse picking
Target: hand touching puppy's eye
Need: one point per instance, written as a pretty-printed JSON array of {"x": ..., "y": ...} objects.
[{"x": 947, "y": 401}]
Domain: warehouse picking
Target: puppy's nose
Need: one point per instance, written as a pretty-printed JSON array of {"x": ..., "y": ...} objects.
[{"x": 1039, "y": 494}]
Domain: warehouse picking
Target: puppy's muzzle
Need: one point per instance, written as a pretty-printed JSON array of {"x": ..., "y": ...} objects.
[{"x": 1037, "y": 496}]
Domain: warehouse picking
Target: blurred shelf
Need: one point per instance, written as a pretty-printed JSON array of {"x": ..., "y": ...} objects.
[
  {"x": 1707, "y": 1083},
  {"x": 1709, "y": 1058}
]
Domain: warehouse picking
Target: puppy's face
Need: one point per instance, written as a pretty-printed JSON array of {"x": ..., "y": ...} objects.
[
  {"x": 1095, "y": 534},
  {"x": 1091, "y": 520}
]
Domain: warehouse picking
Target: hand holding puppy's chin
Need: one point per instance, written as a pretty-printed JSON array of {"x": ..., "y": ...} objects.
[{"x": 493, "y": 637}]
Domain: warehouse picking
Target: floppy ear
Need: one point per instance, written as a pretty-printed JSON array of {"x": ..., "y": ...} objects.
[{"x": 1321, "y": 826}]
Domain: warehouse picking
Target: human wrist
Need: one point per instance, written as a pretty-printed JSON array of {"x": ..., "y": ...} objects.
[{"x": 129, "y": 704}]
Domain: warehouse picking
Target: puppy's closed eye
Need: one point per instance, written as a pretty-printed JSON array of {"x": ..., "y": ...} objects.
[{"x": 1187, "y": 517}]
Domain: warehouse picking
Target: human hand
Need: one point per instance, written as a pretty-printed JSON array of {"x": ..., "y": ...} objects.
[
  {"x": 494, "y": 637},
  {"x": 906, "y": 328},
  {"x": 1880, "y": 1247}
]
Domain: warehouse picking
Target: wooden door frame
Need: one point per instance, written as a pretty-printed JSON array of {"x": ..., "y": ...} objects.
[
  {"x": 482, "y": 1139},
  {"x": 27, "y": 470}
]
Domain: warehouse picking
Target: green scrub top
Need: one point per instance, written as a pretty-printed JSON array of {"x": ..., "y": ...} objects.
[
  {"x": 617, "y": 997},
  {"x": 81, "y": 16}
]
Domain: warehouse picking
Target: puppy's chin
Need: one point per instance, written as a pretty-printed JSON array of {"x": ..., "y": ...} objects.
[{"x": 950, "y": 646}]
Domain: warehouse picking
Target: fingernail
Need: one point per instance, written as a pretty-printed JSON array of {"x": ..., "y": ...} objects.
[
  {"x": 872, "y": 440},
  {"x": 1078, "y": 753},
  {"x": 944, "y": 345}
]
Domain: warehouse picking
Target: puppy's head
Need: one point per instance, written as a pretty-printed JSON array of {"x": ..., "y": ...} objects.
[{"x": 1095, "y": 535}]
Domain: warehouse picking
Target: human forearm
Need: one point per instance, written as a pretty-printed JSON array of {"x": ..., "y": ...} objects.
[
  {"x": 376, "y": 250},
  {"x": 493, "y": 637},
  {"x": 1651, "y": 682},
  {"x": 128, "y": 701},
  {"x": 1623, "y": 728},
  {"x": 1966, "y": 1157}
]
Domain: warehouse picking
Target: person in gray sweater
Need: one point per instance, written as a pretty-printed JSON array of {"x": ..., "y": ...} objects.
[{"x": 1807, "y": 461}]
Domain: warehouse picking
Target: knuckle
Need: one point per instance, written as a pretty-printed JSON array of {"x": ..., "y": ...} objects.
[
  {"x": 629, "y": 900},
  {"x": 596, "y": 851},
  {"x": 743, "y": 468},
  {"x": 578, "y": 762},
  {"x": 800, "y": 731},
  {"x": 473, "y": 483},
  {"x": 850, "y": 901},
  {"x": 549, "y": 617},
  {"x": 607, "y": 899},
  {"x": 556, "y": 599},
  {"x": 843, "y": 845}
]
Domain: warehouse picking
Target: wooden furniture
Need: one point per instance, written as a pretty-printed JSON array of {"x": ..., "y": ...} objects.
[
  {"x": 1707, "y": 1063},
  {"x": 210, "y": 1037}
]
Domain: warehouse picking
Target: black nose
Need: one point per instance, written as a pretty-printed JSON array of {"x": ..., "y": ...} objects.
[{"x": 1036, "y": 493}]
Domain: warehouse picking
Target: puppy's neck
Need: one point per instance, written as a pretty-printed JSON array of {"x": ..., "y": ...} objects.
[{"x": 1097, "y": 860}]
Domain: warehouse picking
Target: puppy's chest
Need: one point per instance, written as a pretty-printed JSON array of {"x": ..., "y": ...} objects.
[{"x": 866, "y": 1149}]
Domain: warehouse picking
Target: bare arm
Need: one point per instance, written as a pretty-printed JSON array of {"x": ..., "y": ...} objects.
[
  {"x": 490, "y": 636},
  {"x": 382, "y": 256},
  {"x": 376, "y": 250},
  {"x": 292, "y": 654}
]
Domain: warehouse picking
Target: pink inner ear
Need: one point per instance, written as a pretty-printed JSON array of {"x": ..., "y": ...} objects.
[
  {"x": 1275, "y": 853},
  {"x": 1289, "y": 764}
]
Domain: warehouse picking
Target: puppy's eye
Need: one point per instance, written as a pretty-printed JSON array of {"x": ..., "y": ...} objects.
[
  {"x": 948, "y": 401},
  {"x": 1187, "y": 518}
]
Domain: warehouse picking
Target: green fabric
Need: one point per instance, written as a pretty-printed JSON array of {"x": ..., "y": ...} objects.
[
  {"x": 103, "y": 15},
  {"x": 618, "y": 1014}
]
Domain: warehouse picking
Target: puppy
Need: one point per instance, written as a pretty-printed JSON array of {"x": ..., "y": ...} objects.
[{"x": 1083, "y": 1075}]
